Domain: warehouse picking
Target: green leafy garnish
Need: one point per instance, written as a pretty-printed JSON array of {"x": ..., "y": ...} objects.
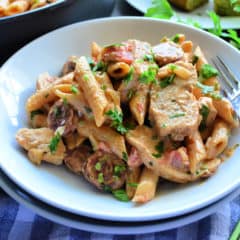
[
  {"x": 217, "y": 28},
  {"x": 148, "y": 76},
  {"x": 54, "y": 142},
  {"x": 177, "y": 115},
  {"x": 35, "y": 112},
  {"x": 208, "y": 90},
  {"x": 107, "y": 188},
  {"x": 114, "y": 45},
  {"x": 175, "y": 38},
  {"x": 207, "y": 71},
  {"x": 100, "y": 178},
  {"x": 129, "y": 76},
  {"x": 235, "y": 5},
  {"x": 56, "y": 112},
  {"x": 121, "y": 195},
  {"x": 74, "y": 89},
  {"x": 118, "y": 169},
  {"x": 204, "y": 111},
  {"x": 90, "y": 62},
  {"x": 148, "y": 57},
  {"x": 104, "y": 87},
  {"x": 134, "y": 185},
  {"x": 160, "y": 9},
  {"x": 125, "y": 156},
  {"x": 100, "y": 66},
  {"x": 167, "y": 81},
  {"x": 160, "y": 150},
  {"x": 131, "y": 93},
  {"x": 65, "y": 101},
  {"x": 117, "y": 120},
  {"x": 98, "y": 166}
]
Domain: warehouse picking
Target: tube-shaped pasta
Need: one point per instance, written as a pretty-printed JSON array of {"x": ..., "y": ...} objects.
[
  {"x": 147, "y": 186},
  {"x": 133, "y": 176},
  {"x": 91, "y": 89},
  {"x": 96, "y": 51},
  {"x": 201, "y": 60},
  {"x": 37, "y": 4},
  {"x": 118, "y": 70},
  {"x": 73, "y": 140},
  {"x": 225, "y": 111},
  {"x": 196, "y": 151},
  {"x": 104, "y": 134},
  {"x": 16, "y": 7},
  {"x": 218, "y": 141},
  {"x": 40, "y": 98},
  {"x": 3, "y": 6},
  {"x": 187, "y": 46},
  {"x": 139, "y": 103}
]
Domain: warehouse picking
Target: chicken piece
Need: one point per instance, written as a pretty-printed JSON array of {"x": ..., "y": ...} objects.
[
  {"x": 105, "y": 170},
  {"x": 171, "y": 165},
  {"x": 37, "y": 143},
  {"x": 76, "y": 158},
  {"x": 174, "y": 111},
  {"x": 167, "y": 52},
  {"x": 61, "y": 115}
]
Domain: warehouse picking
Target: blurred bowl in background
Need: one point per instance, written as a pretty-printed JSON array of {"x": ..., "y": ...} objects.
[{"x": 17, "y": 30}]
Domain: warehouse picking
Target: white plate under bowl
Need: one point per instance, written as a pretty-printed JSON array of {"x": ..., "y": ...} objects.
[
  {"x": 199, "y": 15},
  {"x": 57, "y": 186},
  {"x": 109, "y": 227}
]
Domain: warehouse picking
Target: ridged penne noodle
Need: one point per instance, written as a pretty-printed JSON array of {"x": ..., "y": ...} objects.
[
  {"x": 226, "y": 112},
  {"x": 196, "y": 151},
  {"x": 38, "y": 4},
  {"x": 91, "y": 89},
  {"x": 201, "y": 58},
  {"x": 103, "y": 134},
  {"x": 3, "y": 6},
  {"x": 74, "y": 140},
  {"x": 118, "y": 70},
  {"x": 139, "y": 103},
  {"x": 132, "y": 181},
  {"x": 147, "y": 186},
  {"x": 96, "y": 51},
  {"x": 218, "y": 141},
  {"x": 187, "y": 46}
]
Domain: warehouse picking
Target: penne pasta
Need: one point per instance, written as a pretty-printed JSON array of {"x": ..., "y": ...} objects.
[
  {"x": 132, "y": 181},
  {"x": 118, "y": 70}
]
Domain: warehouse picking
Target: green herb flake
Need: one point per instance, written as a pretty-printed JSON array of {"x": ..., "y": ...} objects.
[
  {"x": 88, "y": 109},
  {"x": 204, "y": 111},
  {"x": 148, "y": 57},
  {"x": 57, "y": 112},
  {"x": 65, "y": 101},
  {"x": 125, "y": 156},
  {"x": 74, "y": 89},
  {"x": 54, "y": 142},
  {"x": 160, "y": 9},
  {"x": 156, "y": 155},
  {"x": 98, "y": 166},
  {"x": 172, "y": 67},
  {"x": 118, "y": 169},
  {"x": 100, "y": 178},
  {"x": 103, "y": 87},
  {"x": 129, "y": 76},
  {"x": 208, "y": 90},
  {"x": 121, "y": 195},
  {"x": 160, "y": 150},
  {"x": 114, "y": 45},
  {"x": 117, "y": 119},
  {"x": 175, "y": 38},
  {"x": 107, "y": 188},
  {"x": 177, "y": 115},
  {"x": 100, "y": 66},
  {"x": 207, "y": 71},
  {"x": 131, "y": 93},
  {"x": 167, "y": 81},
  {"x": 133, "y": 185},
  {"x": 90, "y": 62},
  {"x": 149, "y": 76},
  {"x": 85, "y": 77},
  {"x": 35, "y": 112},
  {"x": 195, "y": 60},
  {"x": 164, "y": 125}
]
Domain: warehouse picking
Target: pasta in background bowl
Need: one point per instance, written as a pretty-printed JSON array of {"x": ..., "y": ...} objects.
[{"x": 89, "y": 97}]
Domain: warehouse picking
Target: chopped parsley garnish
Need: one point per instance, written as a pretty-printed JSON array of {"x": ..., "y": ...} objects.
[
  {"x": 125, "y": 156},
  {"x": 90, "y": 62},
  {"x": 134, "y": 185},
  {"x": 107, "y": 188},
  {"x": 175, "y": 38},
  {"x": 104, "y": 87},
  {"x": 195, "y": 59},
  {"x": 98, "y": 166},
  {"x": 167, "y": 81},
  {"x": 164, "y": 125},
  {"x": 129, "y": 76},
  {"x": 148, "y": 57},
  {"x": 85, "y": 77},
  {"x": 204, "y": 111},
  {"x": 65, "y": 101},
  {"x": 118, "y": 169},
  {"x": 172, "y": 67},
  {"x": 88, "y": 109},
  {"x": 114, "y": 45},
  {"x": 57, "y": 112},
  {"x": 160, "y": 9},
  {"x": 100, "y": 66},
  {"x": 207, "y": 71},
  {"x": 35, "y": 112},
  {"x": 160, "y": 150},
  {"x": 148, "y": 76},
  {"x": 131, "y": 93},
  {"x": 74, "y": 89},
  {"x": 54, "y": 142},
  {"x": 100, "y": 178},
  {"x": 208, "y": 90},
  {"x": 117, "y": 119},
  {"x": 121, "y": 195},
  {"x": 177, "y": 115}
]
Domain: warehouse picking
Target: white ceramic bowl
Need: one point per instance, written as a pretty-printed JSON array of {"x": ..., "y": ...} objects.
[{"x": 56, "y": 185}]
